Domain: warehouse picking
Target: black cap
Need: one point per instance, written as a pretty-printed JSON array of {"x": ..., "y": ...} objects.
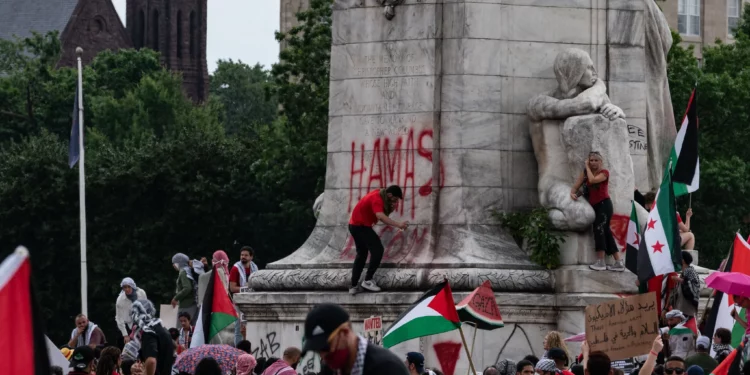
[
  {"x": 82, "y": 357},
  {"x": 558, "y": 354},
  {"x": 320, "y": 323},
  {"x": 416, "y": 359}
]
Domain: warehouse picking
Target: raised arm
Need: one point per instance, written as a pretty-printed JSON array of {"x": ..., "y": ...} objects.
[
  {"x": 576, "y": 186},
  {"x": 544, "y": 107}
]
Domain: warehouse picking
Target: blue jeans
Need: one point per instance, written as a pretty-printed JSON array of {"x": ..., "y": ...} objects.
[{"x": 238, "y": 332}]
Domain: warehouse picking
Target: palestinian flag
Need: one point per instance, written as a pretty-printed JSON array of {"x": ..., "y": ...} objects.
[
  {"x": 738, "y": 261},
  {"x": 433, "y": 313},
  {"x": 688, "y": 328},
  {"x": 662, "y": 253},
  {"x": 216, "y": 313},
  {"x": 480, "y": 308},
  {"x": 731, "y": 364},
  {"x": 683, "y": 160},
  {"x": 22, "y": 339},
  {"x": 633, "y": 241}
]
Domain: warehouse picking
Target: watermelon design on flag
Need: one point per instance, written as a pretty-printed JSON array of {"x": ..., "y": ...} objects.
[{"x": 480, "y": 308}]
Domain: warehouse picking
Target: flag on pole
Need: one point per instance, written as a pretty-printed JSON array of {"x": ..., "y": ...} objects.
[
  {"x": 662, "y": 253},
  {"x": 216, "y": 313},
  {"x": 684, "y": 156},
  {"x": 633, "y": 241},
  {"x": 74, "y": 152},
  {"x": 433, "y": 313},
  {"x": 22, "y": 339},
  {"x": 731, "y": 364},
  {"x": 738, "y": 261}
]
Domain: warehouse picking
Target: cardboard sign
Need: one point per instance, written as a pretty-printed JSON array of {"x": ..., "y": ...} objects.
[
  {"x": 374, "y": 330},
  {"x": 624, "y": 327}
]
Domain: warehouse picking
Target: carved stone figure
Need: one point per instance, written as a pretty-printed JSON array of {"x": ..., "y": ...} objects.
[
  {"x": 580, "y": 92},
  {"x": 390, "y": 8}
]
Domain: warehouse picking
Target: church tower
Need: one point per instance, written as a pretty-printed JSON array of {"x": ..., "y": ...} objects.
[{"x": 177, "y": 30}]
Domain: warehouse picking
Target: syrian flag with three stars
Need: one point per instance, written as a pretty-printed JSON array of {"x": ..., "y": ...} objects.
[{"x": 660, "y": 251}]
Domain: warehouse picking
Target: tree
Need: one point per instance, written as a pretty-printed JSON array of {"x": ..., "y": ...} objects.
[
  {"x": 723, "y": 84},
  {"x": 241, "y": 90}
]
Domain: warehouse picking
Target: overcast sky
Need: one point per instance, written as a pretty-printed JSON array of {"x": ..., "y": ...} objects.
[{"x": 238, "y": 30}]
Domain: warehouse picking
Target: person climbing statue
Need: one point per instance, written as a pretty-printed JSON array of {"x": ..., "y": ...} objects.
[{"x": 373, "y": 207}]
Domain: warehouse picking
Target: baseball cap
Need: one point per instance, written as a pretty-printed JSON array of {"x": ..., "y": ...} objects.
[
  {"x": 557, "y": 353},
  {"x": 320, "y": 323},
  {"x": 82, "y": 357},
  {"x": 417, "y": 359},
  {"x": 703, "y": 341}
]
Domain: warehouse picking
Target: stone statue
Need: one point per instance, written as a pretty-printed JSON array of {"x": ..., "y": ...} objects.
[
  {"x": 390, "y": 8},
  {"x": 579, "y": 93}
]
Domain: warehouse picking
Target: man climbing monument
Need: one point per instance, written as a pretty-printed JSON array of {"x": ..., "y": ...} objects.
[{"x": 374, "y": 207}]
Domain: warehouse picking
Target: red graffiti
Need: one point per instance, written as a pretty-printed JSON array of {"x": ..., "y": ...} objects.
[
  {"x": 393, "y": 163},
  {"x": 447, "y": 354},
  {"x": 397, "y": 244},
  {"x": 619, "y": 226}
]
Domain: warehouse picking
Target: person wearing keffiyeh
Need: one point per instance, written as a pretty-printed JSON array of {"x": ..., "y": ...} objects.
[
  {"x": 129, "y": 294},
  {"x": 156, "y": 345},
  {"x": 86, "y": 333},
  {"x": 688, "y": 287},
  {"x": 186, "y": 294}
]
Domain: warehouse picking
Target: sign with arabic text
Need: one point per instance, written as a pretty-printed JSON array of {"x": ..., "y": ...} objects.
[{"x": 624, "y": 327}]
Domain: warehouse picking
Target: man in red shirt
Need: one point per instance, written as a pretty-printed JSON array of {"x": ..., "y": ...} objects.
[{"x": 374, "y": 207}]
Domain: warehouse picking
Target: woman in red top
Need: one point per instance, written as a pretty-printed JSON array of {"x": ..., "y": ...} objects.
[{"x": 597, "y": 185}]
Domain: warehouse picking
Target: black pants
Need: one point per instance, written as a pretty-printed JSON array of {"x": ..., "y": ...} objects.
[
  {"x": 365, "y": 240},
  {"x": 603, "y": 238}
]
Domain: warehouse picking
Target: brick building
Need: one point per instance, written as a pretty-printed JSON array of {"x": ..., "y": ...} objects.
[
  {"x": 702, "y": 22},
  {"x": 176, "y": 28}
]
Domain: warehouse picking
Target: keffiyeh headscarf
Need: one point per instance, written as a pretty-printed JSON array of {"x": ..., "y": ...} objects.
[
  {"x": 506, "y": 367},
  {"x": 129, "y": 282},
  {"x": 245, "y": 364},
  {"x": 693, "y": 284},
  {"x": 221, "y": 259},
  {"x": 143, "y": 314},
  {"x": 183, "y": 263},
  {"x": 547, "y": 365},
  {"x": 676, "y": 314}
]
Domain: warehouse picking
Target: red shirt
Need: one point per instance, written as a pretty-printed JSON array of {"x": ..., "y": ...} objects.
[
  {"x": 598, "y": 192},
  {"x": 679, "y": 219},
  {"x": 234, "y": 274},
  {"x": 364, "y": 212}
]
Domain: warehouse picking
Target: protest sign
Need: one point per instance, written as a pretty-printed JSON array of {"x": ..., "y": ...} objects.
[
  {"x": 374, "y": 330},
  {"x": 624, "y": 327}
]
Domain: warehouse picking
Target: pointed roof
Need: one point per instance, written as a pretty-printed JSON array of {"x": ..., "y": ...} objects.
[{"x": 21, "y": 17}]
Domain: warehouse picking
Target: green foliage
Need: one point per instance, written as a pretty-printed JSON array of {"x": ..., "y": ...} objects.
[
  {"x": 723, "y": 80},
  {"x": 241, "y": 90},
  {"x": 533, "y": 228}
]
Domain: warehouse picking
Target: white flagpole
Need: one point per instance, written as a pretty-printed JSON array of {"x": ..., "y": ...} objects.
[{"x": 82, "y": 188}]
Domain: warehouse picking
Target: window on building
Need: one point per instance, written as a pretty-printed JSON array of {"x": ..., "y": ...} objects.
[
  {"x": 734, "y": 10},
  {"x": 193, "y": 25},
  {"x": 689, "y": 17},
  {"x": 155, "y": 29},
  {"x": 179, "y": 34},
  {"x": 139, "y": 31}
]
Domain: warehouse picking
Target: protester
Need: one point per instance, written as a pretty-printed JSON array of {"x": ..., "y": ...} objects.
[
  {"x": 596, "y": 182},
  {"x": 126, "y": 366},
  {"x": 86, "y": 333},
  {"x": 506, "y": 367},
  {"x": 561, "y": 360},
  {"x": 137, "y": 368},
  {"x": 525, "y": 367},
  {"x": 675, "y": 366},
  {"x": 129, "y": 294},
  {"x": 598, "y": 363},
  {"x": 491, "y": 370},
  {"x": 577, "y": 369},
  {"x": 245, "y": 364},
  {"x": 415, "y": 363},
  {"x": 722, "y": 344},
  {"x": 687, "y": 288},
  {"x": 680, "y": 344},
  {"x": 702, "y": 357},
  {"x": 157, "y": 348},
  {"x": 695, "y": 370},
  {"x": 329, "y": 333},
  {"x": 546, "y": 367},
  {"x": 553, "y": 339},
  {"x": 186, "y": 293},
  {"x": 82, "y": 360},
  {"x": 287, "y": 365},
  {"x": 185, "y": 332},
  {"x": 221, "y": 260},
  {"x": 238, "y": 277},
  {"x": 109, "y": 362},
  {"x": 374, "y": 207},
  {"x": 208, "y": 366},
  {"x": 534, "y": 359},
  {"x": 687, "y": 239}
]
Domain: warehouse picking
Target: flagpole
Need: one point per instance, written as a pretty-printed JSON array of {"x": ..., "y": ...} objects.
[
  {"x": 473, "y": 341},
  {"x": 466, "y": 347},
  {"x": 82, "y": 188}
]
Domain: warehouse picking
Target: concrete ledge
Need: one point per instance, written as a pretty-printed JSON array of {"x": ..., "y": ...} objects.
[{"x": 581, "y": 279}]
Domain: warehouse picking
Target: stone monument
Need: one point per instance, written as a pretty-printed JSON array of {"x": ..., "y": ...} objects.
[{"x": 432, "y": 95}]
